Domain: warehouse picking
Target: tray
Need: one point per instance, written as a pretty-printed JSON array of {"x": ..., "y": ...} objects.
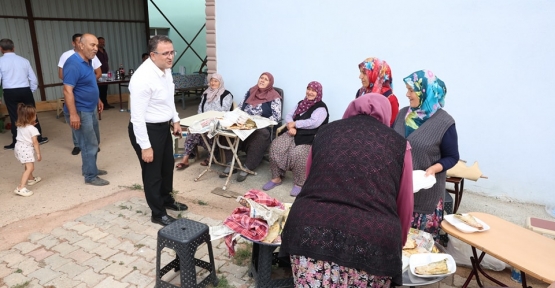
[
  {"x": 424, "y": 259},
  {"x": 463, "y": 227}
]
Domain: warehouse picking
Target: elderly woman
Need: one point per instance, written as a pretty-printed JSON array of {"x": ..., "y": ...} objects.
[
  {"x": 261, "y": 100},
  {"x": 375, "y": 75},
  {"x": 215, "y": 98},
  {"x": 432, "y": 134},
  {"x": 290, "y": 150},
  {"x": 348, "y": 225}
]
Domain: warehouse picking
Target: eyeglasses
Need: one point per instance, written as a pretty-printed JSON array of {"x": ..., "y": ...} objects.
[{"x": 166, "y": 54}]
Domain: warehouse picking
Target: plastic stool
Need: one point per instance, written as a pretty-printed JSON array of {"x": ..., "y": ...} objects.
[{"x": 184, "y": 236}]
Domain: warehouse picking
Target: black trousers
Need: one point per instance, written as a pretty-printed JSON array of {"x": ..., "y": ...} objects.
[
  {"x": 158, "y": 174},
  {"x": 12, "y": 97},
  {"x": 103, "y": 94}
]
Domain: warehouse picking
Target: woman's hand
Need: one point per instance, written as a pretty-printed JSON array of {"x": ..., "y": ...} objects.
[
  {"x": 432, "y": 170},
  {"x": 291, "y": 125},
  {"x": 292, "y": 131}
]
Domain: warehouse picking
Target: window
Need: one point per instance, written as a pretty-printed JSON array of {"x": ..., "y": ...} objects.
[{"x": 159, "y": 31}]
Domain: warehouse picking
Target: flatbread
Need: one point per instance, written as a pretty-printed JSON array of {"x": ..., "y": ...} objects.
[
  {"x": 410, "y": 244},
  {"x": 434, "y": 268},
  {"x": 469, "y": 220}
]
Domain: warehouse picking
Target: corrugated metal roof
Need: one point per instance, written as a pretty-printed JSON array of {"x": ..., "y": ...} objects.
[
  {"x": 13, "y": 8},
  {"x": 98, "y": 9}
]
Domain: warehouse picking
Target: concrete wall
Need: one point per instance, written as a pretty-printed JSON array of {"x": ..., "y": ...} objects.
[{"x": 496, "y": 57}]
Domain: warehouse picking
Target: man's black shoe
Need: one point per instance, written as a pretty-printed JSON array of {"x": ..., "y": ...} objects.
[
  {"x": 9, "y": 147},
  {"x": 43, "y": 140},
  {"x": 176, "y": 206},
  {"x": 164, "y": 220},
  {"x": 75, "y": 151}
]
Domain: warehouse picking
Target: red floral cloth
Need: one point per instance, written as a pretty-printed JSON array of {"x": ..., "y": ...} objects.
[{"x": 240, "y": 221}]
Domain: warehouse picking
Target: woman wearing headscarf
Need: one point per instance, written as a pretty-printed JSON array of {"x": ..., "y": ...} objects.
[
  {"x": 348, "y": 225},
  {"x": 375, "y": 75},
  {"x": 432, "y": 134},
  {"x": 289, "y": 151},
  {"x": 215, "y": 98},
  {"x": 261, "y": 100}
]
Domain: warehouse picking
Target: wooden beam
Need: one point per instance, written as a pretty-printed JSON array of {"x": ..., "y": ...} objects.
[{"x": 35, "y": 44}]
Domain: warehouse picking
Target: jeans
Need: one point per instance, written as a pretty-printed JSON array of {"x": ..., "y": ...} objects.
[
  {"x": 74, "y": 137},
  {"x": 88, "y": 136}
]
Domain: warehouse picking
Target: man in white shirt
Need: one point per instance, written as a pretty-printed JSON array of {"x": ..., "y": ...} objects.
[
  {"x": 96, "y": 66},
  {"x": 152, "y": 115},
  {"x": 19, "y": 82}
]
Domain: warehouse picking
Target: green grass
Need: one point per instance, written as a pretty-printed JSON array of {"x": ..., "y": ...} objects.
[
  {"x": 18, "y": 271},
  {"x": 133, "y": 187},
  {"x": 22, "y": 285},
  {"x": 243, "y": 254},
  {"x": 223, "y": 283},
  {"x": 202, "y": 203}
]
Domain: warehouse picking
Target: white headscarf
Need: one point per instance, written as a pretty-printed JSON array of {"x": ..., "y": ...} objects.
[{"x": 212, "y": 94}]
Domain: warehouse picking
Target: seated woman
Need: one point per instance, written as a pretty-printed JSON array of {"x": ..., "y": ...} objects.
[
  {"x": 290, "y": 150},
  {"x": 215, "y": 98},
  {"x": 262, "y": 100},
  {"x": 375, "y": 75},
  {"x": 432, "y": 134}
]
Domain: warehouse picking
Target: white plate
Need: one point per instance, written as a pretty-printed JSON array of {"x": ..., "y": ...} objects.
[
  {"x": 427, "y": 258},
  {"x": 420, "y": 181},
  {"x": 405, "y": 263},
  {"x": 463, "y": 227}
]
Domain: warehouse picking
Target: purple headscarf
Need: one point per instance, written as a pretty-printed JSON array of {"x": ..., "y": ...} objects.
[
  {"x": 306, "y": 104},
  {"x": 372, "y": 104}
]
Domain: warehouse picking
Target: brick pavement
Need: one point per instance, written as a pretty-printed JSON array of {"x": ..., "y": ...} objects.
[{"x": 111, "y": 247}]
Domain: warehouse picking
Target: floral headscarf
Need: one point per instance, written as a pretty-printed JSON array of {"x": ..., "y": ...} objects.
[
  {"x": 379, "y": 77},
  {"x": 213, "y": 94},
  {"x": 258, "y": 96},
  {"x": 306, "y": 104},
  {"x": 431, "y": 92}
]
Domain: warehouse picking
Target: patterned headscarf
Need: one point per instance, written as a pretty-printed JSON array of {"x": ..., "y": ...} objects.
[
  {"x": 306, "y": 104},
  {"x": 372, "y": 104},
  {"x": 213, "y": 94},
  {"x": 259, "y": 96},
  {"x": 431, "y": 92},
  {"x": 379, "y": 77}
]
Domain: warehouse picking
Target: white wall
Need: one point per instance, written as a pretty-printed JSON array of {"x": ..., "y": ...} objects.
[{"x": 497, "y": 59}]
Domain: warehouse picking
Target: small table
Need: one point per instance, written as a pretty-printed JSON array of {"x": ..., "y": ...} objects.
[
  {"x": 120, "y": 83},
  {"x": 525, "y": 250}
]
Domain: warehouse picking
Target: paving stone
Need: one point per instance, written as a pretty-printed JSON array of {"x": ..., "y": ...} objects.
[
  {"x": 458, "y": 281},
  {"x": 146, "y": 253},
  {"x": 15, "y": 279},
  {"x": 138, "y": 279},
  {"x": 122, "y": 258},
  {"x": 116, "y": 231},
  {"x": 55, "y": 261},
  {"x": 49, "y": 241},
  {"x": 137, "y": 227},
  {"x": 13, "y": 258},
  {"x": 111, "y": 283},
  {"x": 87, "y": 244},
  {"x": 40, "y": 254},
  {"x": 72, "y": 269},
  {"x": 211, "y": 222},
  {"x": 95, "y": 234},
  {"x": 97, "y": 264},
  {"x": 28, "y": 266},
  {"x": 45, "y": 275},
  {"x": 25, "y": 247},
  {"x": 63, "y": 281},
  {"x": 113, "y": 209},
  {"x": 133, "y": 237},
  {"x": 80, "y": 256},
  {"x": 36, "y": 236},
  {"x": 34, "y": 284},
  {"x": 147, "y": 268},
  {"x": 104, "y": 252},
  {"x": 121, "y": 221},
  {"x": 82, "y": 285},
  {"x": 127, "y": 247},
  {"x": 151, "y": 231},
  {"x": 90, "y": 278},
  {"x": 69, "y": 224},
  {"x": 117, "y": 270},
  {"x": 64, "y": 248},
  {"x": 91, "y": 219},
  {"x": 234, "y": 269},
  {"x": 150, "y": 242},
  {"x": 69, "y": 236},
  {"x": 195, "y": 217},
  {"x": 4, "y": 271},
  {"x": 110, "y": 241}
]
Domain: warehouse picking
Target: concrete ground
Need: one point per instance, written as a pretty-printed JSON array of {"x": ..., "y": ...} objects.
[{"x": 69, "y": 234}]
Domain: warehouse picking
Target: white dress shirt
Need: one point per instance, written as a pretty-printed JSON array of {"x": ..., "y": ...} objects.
[
  {"x": 16, "y": 72},
  {"x": 152, "y": 99},
  {"x": 95, "y": 62}
]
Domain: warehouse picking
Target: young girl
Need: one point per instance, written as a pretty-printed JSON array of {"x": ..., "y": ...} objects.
[{"x": 27, "y": 140}]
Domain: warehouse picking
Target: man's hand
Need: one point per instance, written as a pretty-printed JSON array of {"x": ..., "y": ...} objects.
[
  {"x": 100, "y": 106},
  {"x": 74, "y": 121},
  {"x": 148, "y": 155},
  {"x": 177, "y": 129}
]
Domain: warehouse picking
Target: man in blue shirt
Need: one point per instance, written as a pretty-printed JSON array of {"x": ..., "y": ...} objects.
[
  {"x": 82, "y": 102},
  {"x": 19, "y": 82}
]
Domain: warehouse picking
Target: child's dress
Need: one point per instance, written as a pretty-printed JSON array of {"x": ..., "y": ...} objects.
[{"x": 24, "y": 150}]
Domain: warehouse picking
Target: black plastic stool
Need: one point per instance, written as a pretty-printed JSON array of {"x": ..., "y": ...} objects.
[{"x": 184, "y": 236}]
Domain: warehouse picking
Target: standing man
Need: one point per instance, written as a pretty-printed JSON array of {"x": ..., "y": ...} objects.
[
  {"x": 152, "y": 114},
  {"x": 103, "y": 57},
  {"x": 82, "y": 102},
  {"x": 96, "y": 65},
  {"x": 19, "y": 82}
]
